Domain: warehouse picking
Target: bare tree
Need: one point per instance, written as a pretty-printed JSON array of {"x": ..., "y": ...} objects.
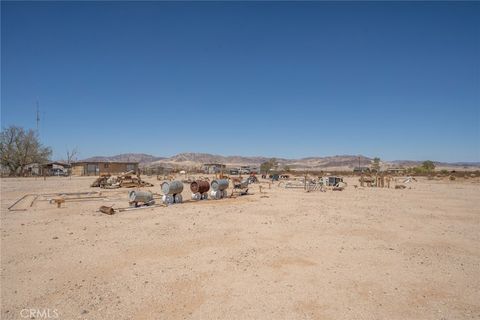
[
  {"x": 72, "y": 155},
  {"x": 376, "y": 164},
  {"x": 19, "y": 148}
]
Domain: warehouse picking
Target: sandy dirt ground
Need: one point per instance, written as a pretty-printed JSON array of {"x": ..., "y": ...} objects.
[{"x": 284, "y": 254}]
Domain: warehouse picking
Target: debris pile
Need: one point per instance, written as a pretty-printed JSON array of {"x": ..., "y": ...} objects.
[
  {"x": 368, "y": 180},
  {"x": 340, "y": 186},
  {"x": 125, "y": 180},
  {"x": 240, "y": 186},
  {"x": 252, "y": 179}
]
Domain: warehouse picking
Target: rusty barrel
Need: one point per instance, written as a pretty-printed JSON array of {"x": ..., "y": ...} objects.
[
  {"x": 199, "y": 186},
  {"x": 172, "y": 187},
  {"x": 220, "y": 184}
]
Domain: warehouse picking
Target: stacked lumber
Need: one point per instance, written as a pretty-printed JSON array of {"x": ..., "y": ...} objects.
[{"x": 125, "y": 180}]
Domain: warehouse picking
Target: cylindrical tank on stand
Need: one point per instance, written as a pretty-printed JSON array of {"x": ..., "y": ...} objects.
[
  {"x": 177, "y": 198},
  {"x": 199, "y": 186},
  {"x": 172, "y": 187},
  {"x": 167, "y": 199},
  {"x": 140, "y": 196},
  {"x": 220, "y": 184}
]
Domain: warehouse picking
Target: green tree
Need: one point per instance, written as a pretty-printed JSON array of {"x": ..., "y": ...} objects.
[
  {"x": 19, "y": 148},
  {"x": 268, "y": 165},
  {"x": 428, "y": 165},
  {"x": 419, "y": 170}
]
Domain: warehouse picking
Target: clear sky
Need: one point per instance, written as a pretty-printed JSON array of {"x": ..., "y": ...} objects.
[{"x": 286, "y": 79}]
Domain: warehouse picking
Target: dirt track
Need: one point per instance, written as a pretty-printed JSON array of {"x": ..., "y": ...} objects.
[{"x": 357, "y": 254}]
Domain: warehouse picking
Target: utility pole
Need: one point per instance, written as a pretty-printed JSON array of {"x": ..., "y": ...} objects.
[{"x": 38, "y": 118}]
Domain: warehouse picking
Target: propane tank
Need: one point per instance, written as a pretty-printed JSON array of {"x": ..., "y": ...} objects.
[
  {"x": 172, "y": 187},
  {"x": 140, "y": 196},
  {"x": 220, "y": 184}
]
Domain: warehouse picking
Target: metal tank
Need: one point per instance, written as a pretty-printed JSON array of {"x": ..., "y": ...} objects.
[
  {"x": 167, "y": 199},
  {"x": 219, "y": 185},
  {"x": 140, "y": 196},
  {"x": 199, "y": 186},
  {"x": 172, "y": 187},
  {"x": 244, "y": 184},
  {"x": 177, "y": 198},
  {"x": 196, "y": 196},
  {"x": 216, "y": 195},
  {"x": 219, "y": 194}
]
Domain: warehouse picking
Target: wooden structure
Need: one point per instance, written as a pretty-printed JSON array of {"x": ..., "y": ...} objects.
[
  {"x": 96, "y": 168},
  {"x": 213, "y": 168},
  {"x": 47, "y": 169},
  {"x": 361, "y": 170},
  {"x": 396, "y": 170}
]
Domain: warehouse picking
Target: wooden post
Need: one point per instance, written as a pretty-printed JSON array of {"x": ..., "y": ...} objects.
[
  {"x": 59, "y": 202},
  {"x": 305, "y": 181}
]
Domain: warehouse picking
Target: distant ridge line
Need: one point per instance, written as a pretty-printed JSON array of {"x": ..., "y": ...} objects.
[{"x": 196, "y": 159}]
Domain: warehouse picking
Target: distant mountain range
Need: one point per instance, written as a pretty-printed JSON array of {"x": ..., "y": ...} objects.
[
  {"x": 340, "y": 162},
  {"x": 142, "y": 158}
]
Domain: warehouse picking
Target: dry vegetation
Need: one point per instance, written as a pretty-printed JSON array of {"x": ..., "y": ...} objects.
[{"x": 363, "y": 253}]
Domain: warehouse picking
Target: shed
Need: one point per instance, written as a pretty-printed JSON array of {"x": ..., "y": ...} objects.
[
  {"x": 55, "y": 169},
  {"x": 361, "y": 170},
  {"x": 396, "y": 170},
  {"x": 213, "y": 168},
  {"x": 95, "y": 168}
]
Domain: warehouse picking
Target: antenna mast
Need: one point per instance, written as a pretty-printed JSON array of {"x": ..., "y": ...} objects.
[{"x": 38, "y": 116}]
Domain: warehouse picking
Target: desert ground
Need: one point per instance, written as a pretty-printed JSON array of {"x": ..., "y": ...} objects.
[{"x": 362, "y": 253}]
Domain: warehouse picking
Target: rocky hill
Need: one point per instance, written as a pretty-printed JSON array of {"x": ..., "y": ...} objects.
[
  {"x": 142, "y": 158},
  {"x": 339, "y": 162},
  {"x": 438, "y": 164},
  {"x": 213, "y": 158}
]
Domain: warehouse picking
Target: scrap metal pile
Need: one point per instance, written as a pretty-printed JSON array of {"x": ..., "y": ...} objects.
[
  {"x": 321, "y": 184},
  {"x": 383, "y": 181},
  {"x": 240, "y": 186},
  {"x": 125, "y": 180}
]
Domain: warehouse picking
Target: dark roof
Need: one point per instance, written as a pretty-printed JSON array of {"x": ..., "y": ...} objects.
[
  {"x": 48, "y": 164},
  {"x": 56, "y": 163}
]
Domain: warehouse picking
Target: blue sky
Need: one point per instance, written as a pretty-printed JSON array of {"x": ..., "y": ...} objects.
[{"x": 286, "y": 79}]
